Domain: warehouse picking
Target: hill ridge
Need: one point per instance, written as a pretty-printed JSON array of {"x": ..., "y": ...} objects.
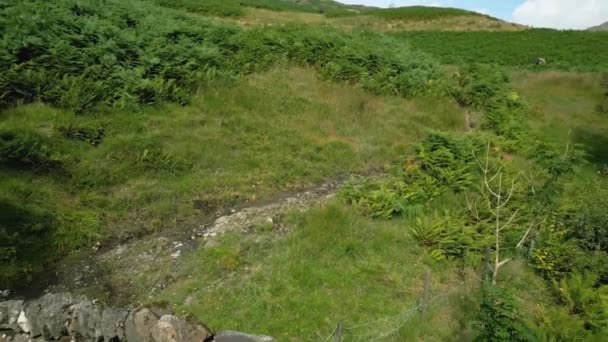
[{"x": 601, "y": 27}]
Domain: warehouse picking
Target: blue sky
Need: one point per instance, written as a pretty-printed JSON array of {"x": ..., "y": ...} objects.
[{"x": 561, "y": 14}]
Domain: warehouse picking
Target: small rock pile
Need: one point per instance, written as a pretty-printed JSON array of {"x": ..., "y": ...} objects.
[{"x": 61, "y": 317}]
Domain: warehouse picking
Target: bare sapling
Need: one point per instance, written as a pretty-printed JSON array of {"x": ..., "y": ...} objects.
[{"x": 497, "y": 196}]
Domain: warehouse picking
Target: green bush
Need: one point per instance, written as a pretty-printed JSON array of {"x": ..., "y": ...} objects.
[
  {"x": 446, "y": 235},
  {"x": 75, "y": 54},
  {"x": 585, "y": 215},
  {"x": 479, "y": 86},
  {"x": 379, "y": 64},
  {"x": 442, "y": 163},
  {"x": 579, "y": 294},
  {"x": 555, "y": 256},
  {"x": 499, "y": 318}
]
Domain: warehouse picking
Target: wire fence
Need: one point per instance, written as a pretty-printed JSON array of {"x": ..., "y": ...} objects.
[{"x": 388, "y": 328}]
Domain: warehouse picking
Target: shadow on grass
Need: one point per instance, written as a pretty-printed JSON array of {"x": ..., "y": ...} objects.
[{"x": 595, "y": 143}]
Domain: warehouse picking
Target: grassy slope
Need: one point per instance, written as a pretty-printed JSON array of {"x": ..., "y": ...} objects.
[
  {"x": 337, "y": 265},
  {"x": 277, "y": 131},
  {"x": 274, "y": 12},
  {"x": 566, "y": 105},
  {"x": 255, "y": 17}
]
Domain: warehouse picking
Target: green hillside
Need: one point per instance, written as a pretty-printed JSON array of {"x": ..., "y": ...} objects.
[
  {"x": 230, "y": 8},
  {"x": 130, "y": 126},
  {"x": 566, "y": 50}
]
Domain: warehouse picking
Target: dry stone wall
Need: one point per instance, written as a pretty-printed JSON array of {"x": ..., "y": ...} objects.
[{"x": 62, "y": 317}]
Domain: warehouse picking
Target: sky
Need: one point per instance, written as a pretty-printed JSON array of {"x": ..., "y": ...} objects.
[{"x": 559, "y": 14}]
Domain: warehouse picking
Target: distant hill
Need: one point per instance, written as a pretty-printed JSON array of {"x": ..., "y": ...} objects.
[
  {"x": 602, "y": 27},
  {"x": 229, "y": 8},
  {"x": 273, "y": 12},
  {"x": 422, "y": 13}
]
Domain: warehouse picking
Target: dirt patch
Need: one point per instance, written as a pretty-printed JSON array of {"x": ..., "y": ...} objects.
[{"x": 121, "y": 274}]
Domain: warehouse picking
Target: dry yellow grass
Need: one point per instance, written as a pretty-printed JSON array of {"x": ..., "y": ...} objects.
[{"x": 260, "y": 17}]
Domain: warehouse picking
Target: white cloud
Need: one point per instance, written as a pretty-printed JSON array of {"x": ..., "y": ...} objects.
[
  {"x": 482, "y": 10},
  {"x": 562, "y": 14}
]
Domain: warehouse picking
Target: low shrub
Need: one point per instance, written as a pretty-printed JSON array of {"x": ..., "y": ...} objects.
[
  {"x": 442, "y": 163},
  {"x": 500, "y": 318}
]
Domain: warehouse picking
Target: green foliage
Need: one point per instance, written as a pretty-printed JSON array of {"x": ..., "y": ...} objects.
[
  {"x": 90, "y": 135},
  {"x": 220, "y": 8},
  {"x": 30, "y": 150},
  {"x": 377, "y": 62},
  {"x": 445, "y": 235},
  {"x": 564, "y": 50},
  {"x": 24, "y": 235},
  {"x": 586, "y": 217},
  {"x": 579, "y": 294},
  {"x": 558, "y": 324},
  {"x": 479, "y": 86},
  {"x": 442, "y": 163},
  {"x": 79, "y": 54},
  {"x": 76, "y": 54},
  {"x": 555, "y": 256},
  {"x": 447, "y": 159},
  {"x": 74, "y": 230},
  {"x": 602, "y": 108},
  {"x": 500, "y": 318}
]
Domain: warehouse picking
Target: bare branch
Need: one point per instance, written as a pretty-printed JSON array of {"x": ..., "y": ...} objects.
[
  {"x": 523, "y": 239},
  {"x": 510, "y": 220},
  {"x": 500, "y": 264}
]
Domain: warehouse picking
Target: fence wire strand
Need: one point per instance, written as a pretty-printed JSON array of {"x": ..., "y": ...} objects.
[{"x": 384, "y": 328}]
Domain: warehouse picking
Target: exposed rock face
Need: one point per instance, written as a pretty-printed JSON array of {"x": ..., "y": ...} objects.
[
  {"x": 61, "y": 317},
  {"x": 602, "y": 27}
]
